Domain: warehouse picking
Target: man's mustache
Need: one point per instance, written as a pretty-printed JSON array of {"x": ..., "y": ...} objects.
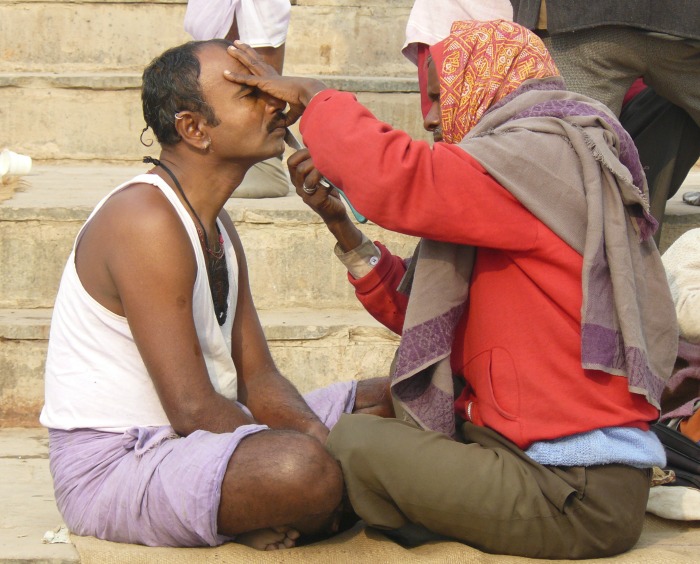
[{"x": 279, "y": 120}]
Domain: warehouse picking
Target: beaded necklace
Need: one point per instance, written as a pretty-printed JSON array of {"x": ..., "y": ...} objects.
[{"x": 216, "y": 265}]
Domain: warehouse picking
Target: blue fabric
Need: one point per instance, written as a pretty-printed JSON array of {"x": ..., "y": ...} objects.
[{"x": 611, "y": 445}]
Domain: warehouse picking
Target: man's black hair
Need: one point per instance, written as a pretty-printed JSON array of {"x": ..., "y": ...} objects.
[{"x": 170, "y": 85}]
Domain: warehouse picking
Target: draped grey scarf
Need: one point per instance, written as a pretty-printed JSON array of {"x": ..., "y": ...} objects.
[{"x": 566, "y": 158}]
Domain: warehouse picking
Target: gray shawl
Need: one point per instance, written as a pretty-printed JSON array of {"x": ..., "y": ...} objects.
[{"x": 566, "y": 158}]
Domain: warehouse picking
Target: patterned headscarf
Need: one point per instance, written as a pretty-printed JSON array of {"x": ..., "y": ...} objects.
[{"x": 481, "y": 62}]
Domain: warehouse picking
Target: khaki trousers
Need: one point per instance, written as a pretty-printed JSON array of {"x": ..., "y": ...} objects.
[
  {"x": 419, "y": 485},
  {"x": 603, "y": 63},
  {"x": 266, "y": 179}
]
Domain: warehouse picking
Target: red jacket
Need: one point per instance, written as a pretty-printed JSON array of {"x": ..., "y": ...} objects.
[{"x": 518, "y": 344}]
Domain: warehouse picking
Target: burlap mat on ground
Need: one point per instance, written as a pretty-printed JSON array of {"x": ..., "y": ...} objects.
[{"x": 662, "y": 542}]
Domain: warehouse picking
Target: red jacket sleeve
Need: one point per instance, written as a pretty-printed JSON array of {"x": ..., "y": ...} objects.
[
  {"x": 377, "y": 291},
  {"x": 441, "y": 193}
]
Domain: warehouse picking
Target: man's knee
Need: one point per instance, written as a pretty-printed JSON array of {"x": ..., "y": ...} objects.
[
  {"x": 305, "y": 465},
  {"x": 367, "y": 434},
  {"x": 366, "y": 445},
  {"x": 292, "y": 462},
  {"x": 279, "y": 478}
]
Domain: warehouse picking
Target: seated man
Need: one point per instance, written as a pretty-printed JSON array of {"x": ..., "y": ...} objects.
[
  {"x": 536, "y": 285},
  {"x": 169, "y": 423}
]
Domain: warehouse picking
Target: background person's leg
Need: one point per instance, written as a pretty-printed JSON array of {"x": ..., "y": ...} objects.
[
  {"x": 488, "y": 493},
  {"x": 668, "y": 141},
  {"x": 674, "y": 72},
  {"x": 266, "y": 179},
  {"x": 601, "y": 63}
]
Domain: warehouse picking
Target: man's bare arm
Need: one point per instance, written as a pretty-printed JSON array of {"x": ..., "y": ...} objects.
[
  {"x": 272, "y": 399},
  {"x": 152, "y": 265}
]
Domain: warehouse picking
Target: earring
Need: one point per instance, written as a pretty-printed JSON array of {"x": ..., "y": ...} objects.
[{"x": 207, "y": 144}]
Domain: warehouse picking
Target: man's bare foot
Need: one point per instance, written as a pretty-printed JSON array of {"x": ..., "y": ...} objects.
[
  {"x": 374, "y": 397},
  {"x": 275, "y": 538}
]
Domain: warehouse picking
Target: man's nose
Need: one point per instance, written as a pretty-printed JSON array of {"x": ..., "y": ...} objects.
[
  {"x": 275, "y": 103},
  {"x": 432, "y": 118}
]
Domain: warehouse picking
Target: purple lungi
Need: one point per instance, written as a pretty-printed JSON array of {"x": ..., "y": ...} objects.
[{"x": 149, "y": 485}]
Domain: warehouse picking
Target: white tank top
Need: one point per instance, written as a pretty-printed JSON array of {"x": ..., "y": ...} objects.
[{"x": 95, "y": 377}]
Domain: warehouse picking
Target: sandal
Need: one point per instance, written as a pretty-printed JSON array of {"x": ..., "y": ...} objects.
[{"x": 692, "y": 198}]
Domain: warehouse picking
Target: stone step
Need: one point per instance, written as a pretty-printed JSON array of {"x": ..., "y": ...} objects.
[
  {"x": 288, "y": 248},
  {"x": 317, "y": 331},
  {"x": 329, "y": 37},
  {"x": 313, "y": 348},
  {"x": 98, "y": 117}
]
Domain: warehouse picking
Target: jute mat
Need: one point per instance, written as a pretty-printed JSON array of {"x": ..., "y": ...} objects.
[{"x": 662, "y": 542}]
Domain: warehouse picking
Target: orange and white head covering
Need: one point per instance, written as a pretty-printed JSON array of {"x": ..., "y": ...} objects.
[{"x": 480, "y": 63}]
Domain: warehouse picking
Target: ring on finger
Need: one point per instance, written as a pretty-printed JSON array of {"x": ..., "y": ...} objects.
[{"x": 309, "y": 191}]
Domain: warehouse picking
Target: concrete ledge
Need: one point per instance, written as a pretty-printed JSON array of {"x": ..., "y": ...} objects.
[
  {"x": 126, "y": 80},
  {"x": 28, "y": 503},
  {"x": 281, "y": 236},
  {"x": 101, "y": 117}
]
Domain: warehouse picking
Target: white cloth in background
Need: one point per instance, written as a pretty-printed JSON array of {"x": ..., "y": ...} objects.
[
  {"x": 430, "y": 21},
  {"x": 682, "y": 264},
  {"x": 674, "y": 502},
  {"x": 261, "y": 23}
]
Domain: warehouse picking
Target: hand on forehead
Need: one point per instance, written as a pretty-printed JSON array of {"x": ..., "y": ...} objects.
[{"x": 214, "y": 60}]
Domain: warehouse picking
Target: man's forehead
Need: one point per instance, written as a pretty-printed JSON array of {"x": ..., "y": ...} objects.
[{"x": 213, "y": 61}]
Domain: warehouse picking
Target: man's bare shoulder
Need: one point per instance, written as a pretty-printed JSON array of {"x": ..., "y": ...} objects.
[
  {"x": 137, "y": 222},
  {"x": 136, "y": 236},
  {"x": 139, "y": 206}
]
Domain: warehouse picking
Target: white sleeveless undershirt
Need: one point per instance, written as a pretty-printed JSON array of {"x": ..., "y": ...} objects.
[{"x": 95, "y": 377}]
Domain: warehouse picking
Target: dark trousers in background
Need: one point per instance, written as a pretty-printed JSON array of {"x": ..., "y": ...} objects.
[{"x": 668, "y": 141}]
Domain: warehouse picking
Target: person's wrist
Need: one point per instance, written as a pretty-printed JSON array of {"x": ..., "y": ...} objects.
[
  {"x": 337, "y": 224},
  {"x": 319, "y": 431},
  {"x": 346, "y": 234},
  {"x": 312, "y": 87}
]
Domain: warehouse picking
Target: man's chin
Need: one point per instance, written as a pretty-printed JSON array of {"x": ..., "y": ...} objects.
[
  {"x": 279, "y": 152},
  {"x": 273, "y": 150}
]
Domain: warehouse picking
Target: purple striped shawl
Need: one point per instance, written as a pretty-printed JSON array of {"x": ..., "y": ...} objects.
[
  {"x": 689, "y": 352},
  {"x": 566, "y": 158}
]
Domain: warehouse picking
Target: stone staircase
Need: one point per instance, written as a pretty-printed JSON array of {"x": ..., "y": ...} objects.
[{"x": 317, "y": 332}]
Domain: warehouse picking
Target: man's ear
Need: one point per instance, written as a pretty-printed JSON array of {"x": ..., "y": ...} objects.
[{"x": 191, "y": 127}]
